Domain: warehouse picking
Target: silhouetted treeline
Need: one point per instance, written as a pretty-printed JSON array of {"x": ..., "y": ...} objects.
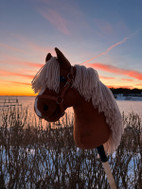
[{"x": 126, "y": 91}]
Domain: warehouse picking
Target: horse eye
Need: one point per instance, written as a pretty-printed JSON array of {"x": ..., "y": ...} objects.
[{"x": 62, "y": 79}]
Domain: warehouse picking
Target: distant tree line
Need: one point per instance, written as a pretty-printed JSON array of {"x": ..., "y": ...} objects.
[{"x": 126, "y": 91}]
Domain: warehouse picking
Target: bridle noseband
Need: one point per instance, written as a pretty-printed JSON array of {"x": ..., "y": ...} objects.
[{"x": 60, "y": 98}]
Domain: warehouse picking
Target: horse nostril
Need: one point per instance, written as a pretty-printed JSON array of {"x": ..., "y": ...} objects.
[{"x": 45, "y": 107}]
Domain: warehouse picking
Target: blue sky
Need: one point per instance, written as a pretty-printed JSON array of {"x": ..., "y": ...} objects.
[{"x": 108, "y": 30}]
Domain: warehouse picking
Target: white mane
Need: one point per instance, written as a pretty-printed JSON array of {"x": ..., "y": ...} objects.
[
  {"x": 47, "y": 77},
  {"x": 91, "y": 88}
]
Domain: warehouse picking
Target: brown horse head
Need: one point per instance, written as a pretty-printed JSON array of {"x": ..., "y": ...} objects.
[
  {"x": 61, "y": 85},
  {"x": 52, "y": 100}
]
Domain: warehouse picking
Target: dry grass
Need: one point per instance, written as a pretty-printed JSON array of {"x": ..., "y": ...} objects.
[{"x": 33, "y": 157}]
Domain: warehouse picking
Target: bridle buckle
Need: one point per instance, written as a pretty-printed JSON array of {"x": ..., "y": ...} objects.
[{"x": 59, "y": 100}]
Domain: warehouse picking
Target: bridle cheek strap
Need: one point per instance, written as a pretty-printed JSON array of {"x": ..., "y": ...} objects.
[{"x": 60, "y": 98}]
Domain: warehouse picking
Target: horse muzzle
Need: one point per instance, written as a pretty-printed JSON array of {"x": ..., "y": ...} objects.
[{"x": 47, "y": 109}]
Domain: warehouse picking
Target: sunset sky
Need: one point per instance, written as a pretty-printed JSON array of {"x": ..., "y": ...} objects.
[{"x": 103, "y": 34}]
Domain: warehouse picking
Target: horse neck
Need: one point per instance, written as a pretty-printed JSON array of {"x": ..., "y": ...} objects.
[
  {"x": 90, "y": 127},
  {"x": 71, "y": 98},
  {"x": 80, "y": 106},
  {"x": 84, "y": 111}
]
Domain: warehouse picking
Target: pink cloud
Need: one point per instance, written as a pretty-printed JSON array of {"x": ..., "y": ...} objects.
[
  {"x": 27, "y": 44},
  {"x": 109, "y": 78},
  {"x": 127, "y": 79},
  {"x": 56, "y": 20},
  {"x": 19, "y": 83},
  {"x": 36, "y": 47},
  {"x": 140, "y": 84},
  {"x": 7, "y": 73},
  {"x": 9, "y": 47},
  {"x": 113, "y": 69},
  {"x": 31, "y": 64},
  {"x": 15, "y": 61}
]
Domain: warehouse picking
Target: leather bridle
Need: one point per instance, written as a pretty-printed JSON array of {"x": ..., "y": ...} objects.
[{"x": 60, "y": 98}]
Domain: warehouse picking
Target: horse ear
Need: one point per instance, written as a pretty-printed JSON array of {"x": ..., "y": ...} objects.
[
  {"x": 48, "y": 57},
  {"x": 62, "y": 59}
]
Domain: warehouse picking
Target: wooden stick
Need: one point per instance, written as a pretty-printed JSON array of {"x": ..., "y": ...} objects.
[{"x": 106, "y": 166}]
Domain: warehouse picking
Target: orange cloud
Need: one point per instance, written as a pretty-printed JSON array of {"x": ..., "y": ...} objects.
[
  {"x": 140, "y": 84},
  {"x": 19, "y": 83},
  {"x": 31, "y": 64},
  {"x": 7, "y": 73},
  {"x": 14, "y": 61},
  {"x": 113, "y": 69},
  {"x": 127, "y": 79},
  {"x": 56, "y": 19},
  {"x": 120, "y": 86},
  {"x": 104, "y": 77}
]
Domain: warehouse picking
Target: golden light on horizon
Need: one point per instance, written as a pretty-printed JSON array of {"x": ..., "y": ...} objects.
[
  {"x": 9, "y": 89},
  {"x": 17, "y": 89}
]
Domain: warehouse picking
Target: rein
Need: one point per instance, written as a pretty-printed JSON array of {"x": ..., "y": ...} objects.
[{"x": 60, "y": 98}]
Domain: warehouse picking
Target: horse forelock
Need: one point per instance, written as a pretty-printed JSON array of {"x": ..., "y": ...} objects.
[
  {"x": 89, "y": 86},
  {"x": 47, "y": 77}
]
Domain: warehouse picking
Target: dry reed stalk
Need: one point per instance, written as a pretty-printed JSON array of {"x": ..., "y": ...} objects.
[{"x": 32, "y": 156}]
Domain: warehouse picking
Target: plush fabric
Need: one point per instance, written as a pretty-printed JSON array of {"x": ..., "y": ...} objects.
[
  {"x": 93, "y": 90},
  {"x": 48, "y": 76},
  {"x": 97, "y": 117}
]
